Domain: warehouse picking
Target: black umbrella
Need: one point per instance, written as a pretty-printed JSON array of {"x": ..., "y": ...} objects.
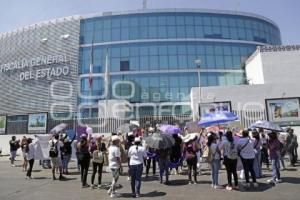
[
  {"x": 126, "y": 128},
  {"x": 159, "y": 141}
]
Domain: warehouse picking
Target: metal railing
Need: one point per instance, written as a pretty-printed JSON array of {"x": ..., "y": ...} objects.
[{"x": 102, "y": 125}]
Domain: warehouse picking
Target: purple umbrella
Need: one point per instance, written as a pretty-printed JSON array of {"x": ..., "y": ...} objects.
[{"x": 170, "y": 129}]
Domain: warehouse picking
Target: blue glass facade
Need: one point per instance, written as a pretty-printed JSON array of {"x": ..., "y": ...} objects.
[{"x": 156, "y": 52}]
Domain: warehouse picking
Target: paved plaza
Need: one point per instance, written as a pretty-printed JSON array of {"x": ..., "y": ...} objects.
[{"x": 14, "y": 186}]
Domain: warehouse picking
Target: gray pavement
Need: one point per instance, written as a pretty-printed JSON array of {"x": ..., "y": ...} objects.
[{"x": 14, "y": 186}]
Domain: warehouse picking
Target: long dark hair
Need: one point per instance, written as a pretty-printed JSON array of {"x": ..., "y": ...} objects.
[
  {"x": 229, "y": 136},
  {"x": 210, "y": 140}
]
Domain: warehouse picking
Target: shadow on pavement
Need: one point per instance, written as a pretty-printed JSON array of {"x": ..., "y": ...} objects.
[
  {"x": 292, "y": 180},
  {"x": 178, "y": 182},
  {"x": 74, "y": 173},
  {"x": 150, "y": 178},
  {"x": 150, "y": 194},
  {"x": 262, "y": 187}
]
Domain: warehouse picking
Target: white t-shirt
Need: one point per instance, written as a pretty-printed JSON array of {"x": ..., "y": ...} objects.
[
  {"x": 59, "y": 145},
  {"x": 248, "y": 151},
  {"x": 113, "y": 155},
  {"x": 137, "y": 156},
  {"x": 30, "y": 153}
]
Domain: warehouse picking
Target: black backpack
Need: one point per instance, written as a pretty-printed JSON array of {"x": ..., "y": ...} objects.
[{"x": 53, "y": 153}]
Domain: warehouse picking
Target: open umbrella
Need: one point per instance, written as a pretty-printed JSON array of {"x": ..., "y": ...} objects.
[
  {"x": 170, "y": 129},
  {"x": 159, "y": 141},
  {"x": 59, "y": 128},
  {"x": 266, "y": 125},
  {"x": 126, "y": 128},
  {"x": 192, "y": 127},
  {"x": 219, "y": 117}
]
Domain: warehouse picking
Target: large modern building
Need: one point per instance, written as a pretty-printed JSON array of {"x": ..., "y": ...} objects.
[{"x": 150, "y": 58}]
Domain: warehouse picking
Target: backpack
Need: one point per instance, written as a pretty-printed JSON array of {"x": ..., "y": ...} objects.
[
  {"x": 53, "y": 152},
  {"x": 233, "y": 152}
]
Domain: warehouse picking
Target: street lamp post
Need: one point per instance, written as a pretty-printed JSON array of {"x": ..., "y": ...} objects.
[{"x": 198, "y": 64}]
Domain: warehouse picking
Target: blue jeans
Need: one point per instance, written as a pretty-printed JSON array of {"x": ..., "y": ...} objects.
[
  {"x": 256, "y": 164},
  {"x": 65, "y": 162},
  {"x": 163, "y": 167},
  {"x": 215, "y": 167},
  {"x": 275, "y": 168},
  {"x": 136, "y": 172}
]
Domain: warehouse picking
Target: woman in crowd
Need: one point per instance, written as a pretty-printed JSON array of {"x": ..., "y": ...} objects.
[
  {"x": 264, "y": 149},
  {"x": 274, "y": 150},
  {"x": 215, "y": 154},
  {"x": 98, "y": 160},
  {"x": 24, "y": 144},
  {"x": 176, "y": 151},
  {"x": 136, "y": 153},
  {"x": 66, "y": 153},
  {"x": 128, "y": 143},
  {"x": 115, "y": 166},
  {"x": 190, "y": 152},
  {"x": 230, "y": 153},
  {"x": 246, "y": 152},
  {"x": 257, "y": 160},
  {"x": 30, "y": 156},
  {"x": 83, "y": 158},
  {"x": 163, "y": 156}
]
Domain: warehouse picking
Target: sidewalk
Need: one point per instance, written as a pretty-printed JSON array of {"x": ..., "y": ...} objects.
[{"x": 14, "y": 186}]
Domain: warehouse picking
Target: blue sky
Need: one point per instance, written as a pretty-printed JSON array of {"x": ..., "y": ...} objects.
[{"x": 18, "y": 13}]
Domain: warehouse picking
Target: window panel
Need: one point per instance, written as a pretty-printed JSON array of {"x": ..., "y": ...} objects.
[
  {"x": 215, "y": 21},
  {"x": 134, "y": 22},
  {"x": 181, "y": 48},
  {"x": 134, "y": 33},
  {"x": 125, "y": 52},
  {"x": 107, "y": 24},
  {"x": 152, "y": 20},
  {"x": 153, "y": 50},
  {"x": 180, "y": 21},
  {"x": 154, "y": 65},
  {"x": 116, "y": 23},
  {"x": 144, "y": 63},
  {"x": 198, "y": 20},
  {"x": 180, "y": 31},
  {"x": 219, "y": 62},
  {"x": 163, "y": 62},
  {"x": 125, "y": 22},
  {"x": 228, "y": 62},
  {"x": 189, "y": 20},
  {"x": 134, "y": 51},
  {"x": 163, "y": 50},
  {"x": 107, "y": 35},
  {"x": 171, "y": 31},
  {"x": 199, "y": 32},
  {"x": 190, "y": 31},
  {"x": 116, "y": 34},
  {"x": 125, "y": 34},
  {"x": 182, "y": 61},
  {"x": 171, "y": 20},
  {"x": 162, "y": 32},
  {"x": 173, "y": 64},
  {"x": 172, "y": 49},
  {"x": 210, "y": 62},
  {"x": 207, "y": 21},
  {"x": 152, "y": 31},
  {"x": 144, "y": 51},
  {"x": 162, "y": 21}
]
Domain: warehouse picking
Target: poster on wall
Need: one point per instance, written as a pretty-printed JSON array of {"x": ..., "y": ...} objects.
[
  {"x": 2, "y": 124},
  {"x": 214, "y": 106},
  {"x": 283, "y": 110},
  {"x": 37, "y": 123}
]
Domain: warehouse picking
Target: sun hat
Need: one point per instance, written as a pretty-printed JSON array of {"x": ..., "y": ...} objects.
[
  {"x": 115, "y": 138},
  {"x": 137, "y": 139}
]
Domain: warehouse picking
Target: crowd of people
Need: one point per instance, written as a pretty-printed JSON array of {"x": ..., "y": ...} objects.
[{"x": 244, "y": 152}]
